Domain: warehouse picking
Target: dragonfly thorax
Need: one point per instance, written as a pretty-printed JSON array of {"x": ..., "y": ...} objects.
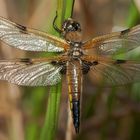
[{"x": 75, "y": 51}]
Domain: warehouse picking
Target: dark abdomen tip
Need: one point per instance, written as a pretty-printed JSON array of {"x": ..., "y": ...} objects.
[{"x": 76, "y": 115}]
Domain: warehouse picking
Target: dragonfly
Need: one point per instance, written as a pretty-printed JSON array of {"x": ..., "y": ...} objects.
[{"x": 74, "y": 59}]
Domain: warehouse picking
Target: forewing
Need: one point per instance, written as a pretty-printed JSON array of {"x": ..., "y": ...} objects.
[
  {"x": 28, "y": 73},
  {"x": 20, "y": 37},
  {"x": 114, "y": 72},
  {"x": 115, "y": 43}
]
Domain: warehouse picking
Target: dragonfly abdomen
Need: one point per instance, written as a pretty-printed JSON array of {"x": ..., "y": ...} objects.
[{"x": 74, "y": 80}]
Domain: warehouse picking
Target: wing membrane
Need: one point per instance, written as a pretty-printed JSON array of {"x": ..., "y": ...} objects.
[
  {"x": 20, "y": 37},
  {"x": 31, "y": 73},
  {"x": 114, "y": 72},
  {"x": 115, "y": 43}
]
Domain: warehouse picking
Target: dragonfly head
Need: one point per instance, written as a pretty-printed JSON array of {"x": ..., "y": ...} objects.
[
  {"x": 71, "y": 31},
  {"x": 68, "y": 26},
  {"x": 71, "y": 25}
]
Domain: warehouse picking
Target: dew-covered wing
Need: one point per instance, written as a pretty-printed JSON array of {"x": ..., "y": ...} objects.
[{"x": 20, "y": 37}]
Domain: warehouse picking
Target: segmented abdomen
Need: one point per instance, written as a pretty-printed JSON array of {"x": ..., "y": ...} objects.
[{"x": 74, "y": 80}]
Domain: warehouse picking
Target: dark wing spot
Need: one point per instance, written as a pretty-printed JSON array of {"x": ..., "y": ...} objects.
[
  {"x": 87, "y": 63},
  {"x": 28, "y": 61},
  {"x": 22, "y": 28},
  {"x": 60, "y": 63},
  {"x": 125, "y": 32},
  {"x": 86, "y": 66},
  {"x": 95, "y": 63},
  {"x": 120, "y": 61},
  {"x": 63, "y": 70},
  {"x": 54, "y": 62},
  {"x": 85, "y": 69}
]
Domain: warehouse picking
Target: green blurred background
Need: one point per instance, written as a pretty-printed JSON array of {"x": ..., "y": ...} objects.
[{"x": 35, "y": 113}]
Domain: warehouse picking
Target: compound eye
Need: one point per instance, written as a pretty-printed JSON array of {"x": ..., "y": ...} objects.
[
  {"x": 76, "y": 26},
  {"x": 70, "y": 27}
]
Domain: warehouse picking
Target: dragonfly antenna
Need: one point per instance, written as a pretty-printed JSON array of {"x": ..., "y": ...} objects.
[{"x": 55, "y": 26}]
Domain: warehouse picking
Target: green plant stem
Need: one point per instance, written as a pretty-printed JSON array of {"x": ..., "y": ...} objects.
[
  {"x": 133, "y": 16},
  {"x": 50, "y": 125}
]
